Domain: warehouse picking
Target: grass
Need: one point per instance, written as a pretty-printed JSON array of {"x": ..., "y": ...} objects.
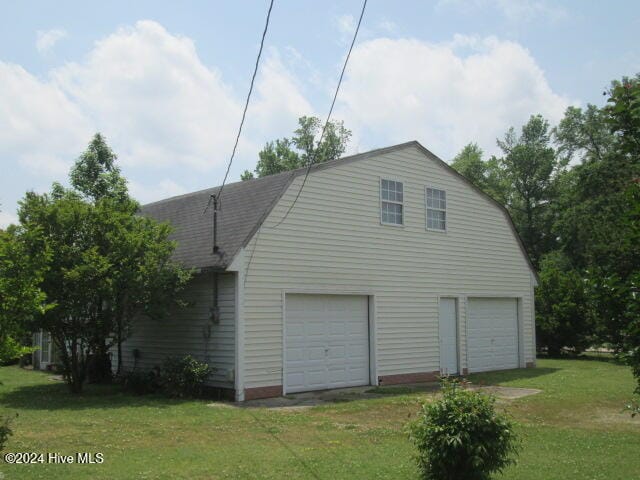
[{"x": 575, "y": 428}]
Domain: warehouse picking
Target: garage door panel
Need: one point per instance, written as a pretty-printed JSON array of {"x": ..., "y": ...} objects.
[
  {"x": 492, "y": 334},
  {"x": 332, "y": 331}
]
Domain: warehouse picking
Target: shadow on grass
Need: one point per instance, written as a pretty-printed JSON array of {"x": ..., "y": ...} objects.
[
  {"x": 489, "y": 378},
  {"x": 593, "y": 356},
  {"x": 56, "y": 396}
]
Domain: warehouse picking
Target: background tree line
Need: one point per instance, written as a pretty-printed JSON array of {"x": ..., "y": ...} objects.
[{"x": 573, "y": 192}]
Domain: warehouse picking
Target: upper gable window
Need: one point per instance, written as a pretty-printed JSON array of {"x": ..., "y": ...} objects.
[
  {"x": 391, "y": 202},
  {"x": 436, "y": 209}
]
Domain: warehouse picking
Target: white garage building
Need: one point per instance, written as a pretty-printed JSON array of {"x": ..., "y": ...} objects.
[{"x": 389, "y": 267}]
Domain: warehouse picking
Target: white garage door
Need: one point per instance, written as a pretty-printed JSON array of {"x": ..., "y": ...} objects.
[
  {"x": 492, "y": 334},
  {"x": 326, "y": 342}
]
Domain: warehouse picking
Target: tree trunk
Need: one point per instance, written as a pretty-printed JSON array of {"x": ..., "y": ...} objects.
[{"x": 119, "y": 339}]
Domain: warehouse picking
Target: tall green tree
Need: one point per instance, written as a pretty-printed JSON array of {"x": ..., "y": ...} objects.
[
  {"x": 530, "y": 166},
  {"x": 107, "y": 264},
  {"x": 96, "y": 175},
  {"x": 485, "y": 175},
  {"x": 524, "y": 180},
  {"x": 23, "y": 259},
  {"x": 595, "y": 220},
  {"x": 303, "y": 148},
  {"x": 562, "y": 306}
]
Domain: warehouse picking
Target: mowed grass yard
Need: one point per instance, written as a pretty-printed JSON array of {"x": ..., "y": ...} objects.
[{"x": 575, "y": 429}]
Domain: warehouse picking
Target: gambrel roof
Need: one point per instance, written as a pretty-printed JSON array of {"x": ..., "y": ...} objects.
[{"x": 245, "y": 205}]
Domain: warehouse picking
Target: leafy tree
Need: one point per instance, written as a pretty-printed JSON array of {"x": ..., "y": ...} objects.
[
  {"x": 23, "y": 259},
  {"x": 623, "y": 117},
  {"x": 95, "y": 173},
  {"x": 595, "y": 220},
  {"x": 485, "y": 175},
  {"x": 524, "y": 180},
  {"x": 562, "y": 306},
  {"x": 106, "y": 264},
  {"x": 287, "y": 154},
  {"x": 583, "y": 135},
  {"x": 530, "y": 166}
]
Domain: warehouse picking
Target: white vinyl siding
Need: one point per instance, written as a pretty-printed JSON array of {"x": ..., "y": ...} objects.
[
  {"x": 333, "y": 241},
  {"x": 391, "y": 202},
  {"x": 189, "y": 331},
  {"x": 436, "y": 209}
]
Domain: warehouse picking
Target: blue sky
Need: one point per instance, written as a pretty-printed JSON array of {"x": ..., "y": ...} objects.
[{"x": 164, "y": 81}]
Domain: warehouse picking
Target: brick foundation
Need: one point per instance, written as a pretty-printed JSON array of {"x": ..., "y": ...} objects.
[
  {"x": 465, "y": 371},
  {"x": 262, "y": 392},
  {"x": 530, "y": 365},
  {"x": 408, "y": 378}
]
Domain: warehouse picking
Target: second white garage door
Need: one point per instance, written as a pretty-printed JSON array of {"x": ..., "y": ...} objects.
[
  {"x": 492, "y": 334},
  {"x": 326, "y": 342}
]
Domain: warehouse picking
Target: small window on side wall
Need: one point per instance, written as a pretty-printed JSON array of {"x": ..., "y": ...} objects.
[
  {"x": 391, "y": 202},
  {"x": 436, "y": 209}
]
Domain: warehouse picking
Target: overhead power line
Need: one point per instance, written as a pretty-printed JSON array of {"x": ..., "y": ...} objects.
[
  {"x": 312, "y": 160},
  {"x": 326, "y": 123},
  {"x": 246, "y": 103}
]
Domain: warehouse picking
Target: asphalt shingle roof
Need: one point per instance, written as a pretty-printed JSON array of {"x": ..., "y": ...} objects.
[{"x": 243, "y": 206}]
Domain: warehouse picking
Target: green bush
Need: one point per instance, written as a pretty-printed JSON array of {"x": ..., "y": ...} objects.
[
  {"x": 183, "y": 376},
  {"x": 5, "y": 431},
  {"x": 11, "y": 350},
  {"x": 461, "y": 437},
  {"x": 562, "y": 307}
]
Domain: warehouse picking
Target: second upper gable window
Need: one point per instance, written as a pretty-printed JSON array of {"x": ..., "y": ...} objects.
[
  {"x": 391, "y": 202},
  {"x": 436, "y": 209}
]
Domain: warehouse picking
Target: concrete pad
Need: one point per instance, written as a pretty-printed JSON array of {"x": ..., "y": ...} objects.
[
  {"x": 506, "y": 393},
  {"x": 301, "y": 401}
]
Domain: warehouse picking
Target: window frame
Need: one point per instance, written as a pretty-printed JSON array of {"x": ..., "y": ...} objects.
[
  {"x": 381, "y": 201},
  {"x": 427, "y": 208}
]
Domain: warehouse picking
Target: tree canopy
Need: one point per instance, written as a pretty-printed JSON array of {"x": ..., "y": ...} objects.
[
  {"x": 286, "y": 154},
  {"x": 105, "y": 264},
  {"x": 573, "y": 192}
]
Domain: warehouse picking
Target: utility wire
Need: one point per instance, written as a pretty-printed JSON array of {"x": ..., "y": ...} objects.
[
  {"x": 326, "y": 123},
  {"x": 311, "y": 161},
  {"x": 246, "y": 104}
]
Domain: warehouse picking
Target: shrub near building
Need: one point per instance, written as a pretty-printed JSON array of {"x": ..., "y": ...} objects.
[{"x": 462, "y": 437}]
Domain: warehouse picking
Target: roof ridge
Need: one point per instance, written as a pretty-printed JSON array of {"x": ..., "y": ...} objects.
[{"x": 295, "y": 172}]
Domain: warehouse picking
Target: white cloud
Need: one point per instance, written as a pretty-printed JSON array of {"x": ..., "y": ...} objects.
[
  {"x": 145, "y": 193},
  {"x": 346, "y": 24},
  {"x": 444, "y": 95},
  {"x": 39, "y": 126},
  {"x": 154, "y": 99},
  {"x": 7, "y": 219},
  {"x": 148, "y": 91},
  {"x": 168, "y": 115},
  {"x": 515, "y": 11},
  {"x": 279, "y": 100},
  {"x": 388, "y": 26},
  {"x": 46, "y": 40}
]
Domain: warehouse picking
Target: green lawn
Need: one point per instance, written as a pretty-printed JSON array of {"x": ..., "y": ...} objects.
[{"x": 574, "y": 429}]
